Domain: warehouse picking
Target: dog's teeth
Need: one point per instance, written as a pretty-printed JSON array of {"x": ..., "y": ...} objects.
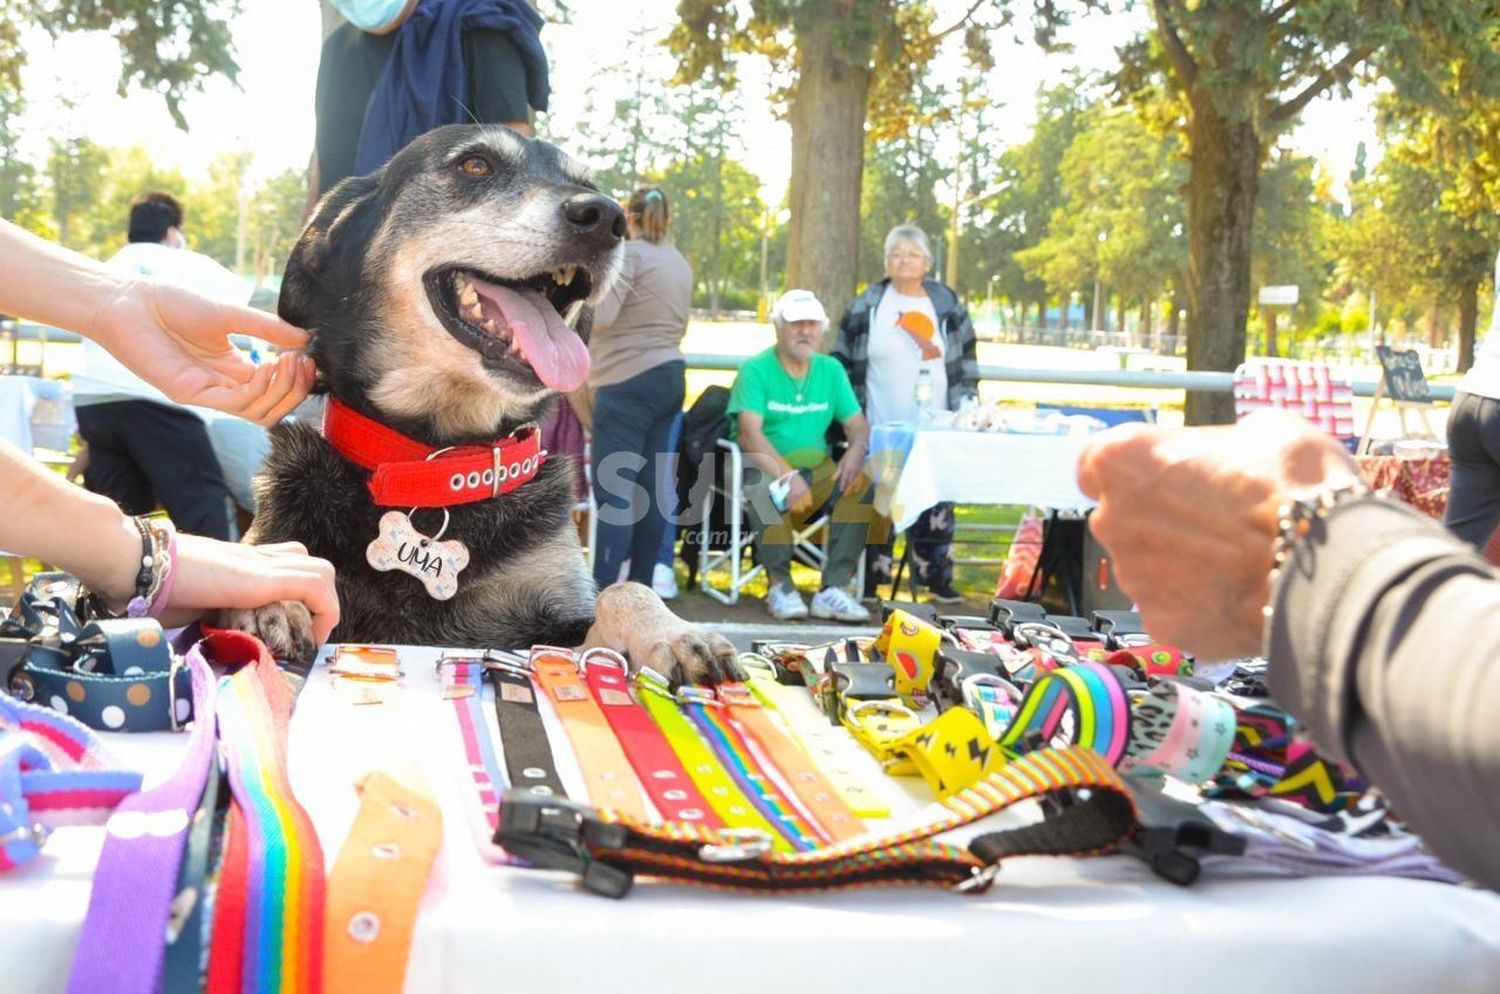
[
  {"x": 467, "y": 295},
  {"x": 475, "y": 310},
  {"x": 564, "y": 276}
]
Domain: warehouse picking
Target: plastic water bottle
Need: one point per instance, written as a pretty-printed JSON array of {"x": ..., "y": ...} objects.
[{"x": 924, "y": 396}]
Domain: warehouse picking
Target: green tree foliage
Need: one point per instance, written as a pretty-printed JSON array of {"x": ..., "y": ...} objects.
[
  {"x": 717, "y": 214},
  {"x": 21, "y": 191},
  {"x": 1418, "y": 241},
  {"x": 901, "y": 177},
  {"x": 1240, "y": 72},
  {"x": 167, "y": 46},
  {"x": 75, "y": 169},
  {"x": 1120, "y": 217},
  {"x": 1027, "y": 179}
]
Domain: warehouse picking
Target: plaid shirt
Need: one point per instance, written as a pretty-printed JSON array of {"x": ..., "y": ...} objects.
[{"x": 852, "y": 347}]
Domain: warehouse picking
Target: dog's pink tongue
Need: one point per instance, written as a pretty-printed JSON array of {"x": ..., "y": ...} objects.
[{"x": 554, "y": 350}]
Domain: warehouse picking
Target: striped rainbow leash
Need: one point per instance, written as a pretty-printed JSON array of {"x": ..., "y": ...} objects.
[{"x": 268, "y": 917}]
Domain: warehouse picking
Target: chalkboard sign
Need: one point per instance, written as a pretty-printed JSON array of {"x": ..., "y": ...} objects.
[{"x": 1404, "y": 380}]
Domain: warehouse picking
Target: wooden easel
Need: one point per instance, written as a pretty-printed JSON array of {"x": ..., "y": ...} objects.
[{"x": 1402, "y": 372}]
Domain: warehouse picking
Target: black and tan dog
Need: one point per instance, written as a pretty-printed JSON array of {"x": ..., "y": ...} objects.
[{"x": 439, "y": 291}]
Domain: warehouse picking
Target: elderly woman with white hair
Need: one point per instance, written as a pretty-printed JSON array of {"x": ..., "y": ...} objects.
[{"x": 896, "y": 329}]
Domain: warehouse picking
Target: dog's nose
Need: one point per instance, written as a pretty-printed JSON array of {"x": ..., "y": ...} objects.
[{"x": 593, "y": 214}]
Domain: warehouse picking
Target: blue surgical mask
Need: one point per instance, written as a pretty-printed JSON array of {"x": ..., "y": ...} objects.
[{"x": 370, "y": 15}]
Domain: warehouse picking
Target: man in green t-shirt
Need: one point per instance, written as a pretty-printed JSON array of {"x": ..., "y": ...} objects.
[{"x": 779, "y": 412}]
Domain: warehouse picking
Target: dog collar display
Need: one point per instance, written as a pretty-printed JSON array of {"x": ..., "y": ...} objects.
[
  {"x": 114, "y": 674},
  {"x": 745, "y": 767},
  {"x": 463, "y": 688},
  {"x": 53, "y": 772},
  {"x": 661, "y": 773},
  {"x": 376, "y": 885},
  {"x": 268, "y": 915},
  {"x": 818, "y": 796},
  {"x": 703, "y": 767},
  {"x": 135, "y": 884},
  {"x": 528, "y": 755},
  {"x": 607, "y": 851},
  {"x": 606, "y": 771},
  {"x": 408, "y": 473},
  {"x": 835, "y": 756}
]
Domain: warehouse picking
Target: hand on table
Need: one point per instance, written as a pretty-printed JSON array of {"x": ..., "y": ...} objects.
[{"x": 1189, "y": 518}]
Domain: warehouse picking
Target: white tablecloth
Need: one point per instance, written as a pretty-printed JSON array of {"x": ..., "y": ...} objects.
[
  {"x": 969, "y": 467},
  {"x": 1049, "y": 924}
]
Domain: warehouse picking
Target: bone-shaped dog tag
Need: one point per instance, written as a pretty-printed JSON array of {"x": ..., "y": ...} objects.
[{"x": 400, "y": 546}]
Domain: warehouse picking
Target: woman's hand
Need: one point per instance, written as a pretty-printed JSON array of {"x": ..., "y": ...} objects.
[
  {"x": 213, "y": 574},
  {"x": 1189, "y": 517},
  {"x": 179, "y": 342}
]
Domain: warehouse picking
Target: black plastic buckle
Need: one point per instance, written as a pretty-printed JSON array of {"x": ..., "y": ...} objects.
[
  {"x": 923, "y": 612},
  {"x": 1173, "y": 834},
  {"x": 1114, "y": 625},
  {"x": 1004, "y": 613},
  {"x": 549, "y": 833},
  {"x": 952, "y": 667}
]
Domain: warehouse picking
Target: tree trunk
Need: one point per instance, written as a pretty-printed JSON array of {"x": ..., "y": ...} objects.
[
  {"x": 827, "y": 115},
  {"x": 1435, "y": 330},
  {"x": 1468, "y": 318},
  {"x": 1147, "y": 304},
  {"x": 1270, "y": 315},
  {"x": 1222, "y": 180}
]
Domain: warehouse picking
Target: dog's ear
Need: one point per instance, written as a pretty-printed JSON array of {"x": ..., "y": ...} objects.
[{"x": 337, "y": 216}]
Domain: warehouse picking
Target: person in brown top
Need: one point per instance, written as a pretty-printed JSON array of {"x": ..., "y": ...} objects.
[
  {"x": 1381, "y": 627},
  {"x": 637, "y": 379}
]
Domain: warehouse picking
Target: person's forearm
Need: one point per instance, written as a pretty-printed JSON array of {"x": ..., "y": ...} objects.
[
  {"x": 50, "y": 284},
  {"x": 857, "y": 432},
  {"x": 1383, "y": 643},
  {"x": 760, "y": 452},
  {"x": 44, "y": 517}
]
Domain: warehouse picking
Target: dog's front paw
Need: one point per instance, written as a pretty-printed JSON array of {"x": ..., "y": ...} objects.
[
  {"x": 695, "y": 655},
  {"x": 285, "y": 627},
  {"x": 631, "y": 619}
]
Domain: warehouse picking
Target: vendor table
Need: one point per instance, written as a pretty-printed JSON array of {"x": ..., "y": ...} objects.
[
  {"x": 917, "y": 468},
  {"x": 1049, "y": 924},
  {"x": 1421, "y": 483}
]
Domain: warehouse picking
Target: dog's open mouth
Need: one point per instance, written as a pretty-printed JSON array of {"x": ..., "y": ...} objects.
[{"x": 516, "y": 326}]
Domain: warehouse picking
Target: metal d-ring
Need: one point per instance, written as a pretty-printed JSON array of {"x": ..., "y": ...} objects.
[{"x": 409, "y": 514}]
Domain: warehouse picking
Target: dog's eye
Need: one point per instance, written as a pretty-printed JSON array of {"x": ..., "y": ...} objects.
[{"x": 475, "y": 165}]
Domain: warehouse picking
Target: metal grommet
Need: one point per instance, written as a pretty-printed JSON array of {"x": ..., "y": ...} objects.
[
  {"x": 456, "y": 481},
  {"x": 534, "y": 772},
  {"x": 402, "y": 811},
  {"x": 385, "y": 850},
  {"x": 473, "y": 480},
  {"x": 364, "y": 927}
]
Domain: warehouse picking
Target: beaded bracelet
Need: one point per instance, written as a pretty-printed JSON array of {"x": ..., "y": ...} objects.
[
  {"x": 154, "y": 580},
  {"x": 1294, "y": 520}
]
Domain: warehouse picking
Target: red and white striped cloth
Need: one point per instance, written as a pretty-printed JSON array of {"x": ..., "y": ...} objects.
[{"x": 1325, "y": 398}]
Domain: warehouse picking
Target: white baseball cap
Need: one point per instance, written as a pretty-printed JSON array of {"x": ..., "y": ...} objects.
[{"x": 798, "y": 305}]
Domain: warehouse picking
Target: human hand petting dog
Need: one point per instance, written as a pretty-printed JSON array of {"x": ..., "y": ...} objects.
[
  {"x": 170, "y": 337},
  {"x": 1189, "y": 517},
  {"x": 179, "y": 342},
  {"x": 630, "y": 619}
]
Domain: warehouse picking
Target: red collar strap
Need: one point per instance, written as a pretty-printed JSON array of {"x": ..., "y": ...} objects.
[{"x": 405, "y": 472}]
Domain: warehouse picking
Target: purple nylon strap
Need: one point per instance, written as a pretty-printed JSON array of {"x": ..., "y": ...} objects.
[{"x": 122, "y": 947}]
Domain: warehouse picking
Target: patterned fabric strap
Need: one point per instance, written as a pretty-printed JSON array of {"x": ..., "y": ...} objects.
[
  {"x": 462, "y": 680},
  {"x": 819, "y": 797},
  {"x": 135, "y": 883},
  {"x": 910, "y": 645},
  {"x": 834, "y": 755},
  {"x": 1087, "y": 693},
  {"x": 745, "y": 767},
  {"x": 53, "y": 772},
  {"x": 113, "y": 674},
  {"x": 673, "y": 793},
  {"x": 713, "y": 781},
  {"x": 607, "y": 851},
  {"x": 268, "y": 916}
]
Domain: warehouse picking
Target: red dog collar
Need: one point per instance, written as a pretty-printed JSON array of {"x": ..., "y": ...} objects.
[{"x": 407, "y": 473}]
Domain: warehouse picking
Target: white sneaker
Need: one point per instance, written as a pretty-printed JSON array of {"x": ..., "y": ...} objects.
[
  {"x": 838, "y": 604},
  {"x": 664, "y": 581},
  {"x": 784, "y": 603}
]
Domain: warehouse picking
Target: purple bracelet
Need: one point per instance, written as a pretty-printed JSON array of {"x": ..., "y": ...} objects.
[{"x": 158, "y": 557}]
